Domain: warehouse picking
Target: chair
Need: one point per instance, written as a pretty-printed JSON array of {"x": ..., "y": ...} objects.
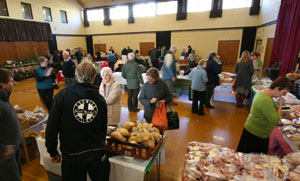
[{"x": 273, "y": 72}]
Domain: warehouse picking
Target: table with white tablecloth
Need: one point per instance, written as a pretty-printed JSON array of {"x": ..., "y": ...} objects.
[{"x": 120, "y": 169}]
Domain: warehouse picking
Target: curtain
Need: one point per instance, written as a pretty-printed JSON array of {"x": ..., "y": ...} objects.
[
  {"x": 85, "y": 19},
  {"x": 89, "y": 44},
  {"x": 130, "y": 14},
  {"x": 181, "y": 9},
  {"x": 287, "y": 36},
  {"x": 248, "y": 39},
  {"x": 17, "y": 30},
  {"x": 107, "y": 20},
  {"x": 255, "y": 6},
  {"x": 216, "y": 9}
]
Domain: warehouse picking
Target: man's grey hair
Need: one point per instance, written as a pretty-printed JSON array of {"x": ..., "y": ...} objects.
[
  {"x": 85, "y": 72},
  {"x": 66, "y": 52},
  {"x": 42, "y": 59},
  {"x": 106, "y": 69},
  {"x": 173, "y": 48}
]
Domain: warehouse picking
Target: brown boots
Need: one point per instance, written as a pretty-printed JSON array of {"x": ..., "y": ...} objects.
[{"x": 240, "y": 99}]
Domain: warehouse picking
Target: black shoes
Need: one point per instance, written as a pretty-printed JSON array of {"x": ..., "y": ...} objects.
[{"x": 210, "y": 106}]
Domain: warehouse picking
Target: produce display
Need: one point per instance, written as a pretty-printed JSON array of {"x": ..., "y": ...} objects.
[
  {"x": 134, "y": 139},
  {"x": 28, "y": 118},
  {"x": 205, "y": 161},
  {"x": 291, "y": 130}
]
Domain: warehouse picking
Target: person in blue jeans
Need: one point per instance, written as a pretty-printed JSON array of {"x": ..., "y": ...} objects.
[{"x": 199, "y": 79}]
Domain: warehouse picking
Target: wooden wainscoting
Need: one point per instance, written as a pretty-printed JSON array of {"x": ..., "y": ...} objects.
[{"x": 22, "y": 49}]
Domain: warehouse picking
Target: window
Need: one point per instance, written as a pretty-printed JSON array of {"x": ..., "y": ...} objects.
[
  {"x": 47, "y": 14},
  {"x": 63, "y": 16},
  {"x": 3, "y": 8},
  {"x": 143, "y": 10},
  {"x": 119, "y": 12},
  {"x": 95, "y": 15},
  {"x": 26, "y": 9},
  {"x": 198, "y": 5},
  {"x": 233, "y": 4},
  {"x": 167, "y": 7}
]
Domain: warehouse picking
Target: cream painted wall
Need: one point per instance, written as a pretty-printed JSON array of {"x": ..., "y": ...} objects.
[
  {"x": 64, "y": 42},
  {"x": 269, "y": 11},
  {"x": 265, "y": 33},
  {"x": 74, "y": 14},
  {"x": 96, "y": 3},
  {"x": 203, "y": 42},
  {"x": 231, "y": 18},
  {"x": 118, "y": 42}
]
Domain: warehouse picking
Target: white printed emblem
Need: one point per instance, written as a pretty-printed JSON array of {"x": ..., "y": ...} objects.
[{"x": 85, "y": 110}]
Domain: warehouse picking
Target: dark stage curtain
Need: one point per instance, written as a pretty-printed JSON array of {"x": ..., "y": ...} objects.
[
  {"x": 17, "y": 30},
  {"x": 216, "y": 9},
  {"x": 287, "y": 36}
]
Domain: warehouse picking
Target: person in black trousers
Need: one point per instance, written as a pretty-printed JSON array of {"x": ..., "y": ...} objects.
[
  {"x": 213, "y": 69},
  {"x": 44, "y": 82},
  {"x": 198, "y": 76}
]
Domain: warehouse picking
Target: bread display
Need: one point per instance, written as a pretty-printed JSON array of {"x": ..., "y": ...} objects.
[
  {"x": 137, "y": 133},
  {"x": 28, "y": 117},
  {"x": 205, "y": 161}
]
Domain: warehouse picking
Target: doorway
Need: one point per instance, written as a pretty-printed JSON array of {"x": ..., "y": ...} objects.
[
  {"x": 228, "y": 51},
  {"x": 145, "y": 47},
  {"x": 268, "y": 53},
  {"x": 100, "y": 47}
]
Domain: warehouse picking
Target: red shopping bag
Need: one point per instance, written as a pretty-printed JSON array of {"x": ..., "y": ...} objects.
[{"x": 159, "y": 117}]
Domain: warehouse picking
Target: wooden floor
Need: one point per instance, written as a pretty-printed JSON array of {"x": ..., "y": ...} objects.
[{"x": 222, "y": 125}]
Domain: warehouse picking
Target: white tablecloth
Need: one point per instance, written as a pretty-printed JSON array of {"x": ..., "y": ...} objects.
[
  {"x": 119, "y": 168},
  {"x": 118, "y": 77}
]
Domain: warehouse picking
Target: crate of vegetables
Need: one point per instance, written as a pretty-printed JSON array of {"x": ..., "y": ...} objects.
[{"x": 136, "y": 139}]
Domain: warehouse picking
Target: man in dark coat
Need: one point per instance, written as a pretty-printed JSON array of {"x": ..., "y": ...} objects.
[
  {"x": 68, "y": 68},
  {"x": 154, "y": 58},
  {"x": 79, "y": 117},
  {"x": 10, "y": 133},
  {"x": 131, "y": 71},
  {"x": 213, "y": 70},
  {"x": 124, "y": 52}
]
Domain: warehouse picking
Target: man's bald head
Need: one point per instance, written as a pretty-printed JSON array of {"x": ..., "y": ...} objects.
[{"x": 66, "y": 55}]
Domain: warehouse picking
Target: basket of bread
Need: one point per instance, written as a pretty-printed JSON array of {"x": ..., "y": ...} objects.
[
  {"x": 135, "y": 139},
  {"x": 28, "y": 118}
]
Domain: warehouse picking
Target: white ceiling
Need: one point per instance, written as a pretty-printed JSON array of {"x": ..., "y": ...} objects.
[{"x": 96, "y": 3}]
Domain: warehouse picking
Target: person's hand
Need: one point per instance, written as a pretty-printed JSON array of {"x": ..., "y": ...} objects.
[
  {"x": 49, "y": 72},
  {"x": 56, "y": 159},
  {"x": 174, "y": 79},
  {"x": 153, "y": 100},
  {"x": 281, "y": 101},
  {"x": 9, "y": 151}
]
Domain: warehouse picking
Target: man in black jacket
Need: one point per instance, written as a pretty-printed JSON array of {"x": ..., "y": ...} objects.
[
  {"x": 213, "y": 69},
  {"x": 10, "y": 133},
  {"x": 68, "y": 68},
  {"x": 79, "y": 116}
]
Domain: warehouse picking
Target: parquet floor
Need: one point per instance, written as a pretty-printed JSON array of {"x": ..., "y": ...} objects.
[{"x": 222, "y": 125}]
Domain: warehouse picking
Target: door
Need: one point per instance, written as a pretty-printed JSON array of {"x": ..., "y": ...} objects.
[
  {"x": 145, "y": 47},
  {"x": 228, "y": 51},
  {"x": 100, "y": 47},
  {"x": 268, "y": 53}
]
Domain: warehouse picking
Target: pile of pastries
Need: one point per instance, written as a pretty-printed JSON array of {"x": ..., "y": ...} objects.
[
  {"x": 137, "y": 133},
  {"x": 205, "y": 161},
  {"x": 30, "y": 116}
]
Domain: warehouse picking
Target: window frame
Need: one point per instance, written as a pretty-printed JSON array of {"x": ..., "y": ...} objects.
[
  {"x": 51, "y": 19},
  {"x": 5, "y": 5},
  {"x": 65, "y": 12},
  {"x": 29, "y": 5}
]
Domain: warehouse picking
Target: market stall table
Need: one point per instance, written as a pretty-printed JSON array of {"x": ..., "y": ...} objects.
[{"x": 137, "y": 170}]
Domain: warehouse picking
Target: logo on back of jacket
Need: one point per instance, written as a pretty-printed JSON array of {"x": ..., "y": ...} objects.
[{"x": 85, "y": 110}]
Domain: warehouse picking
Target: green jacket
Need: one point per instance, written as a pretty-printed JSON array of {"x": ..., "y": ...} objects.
[
  {"x": 132, "y": 73},
  {"x": 263, "y": 116}
]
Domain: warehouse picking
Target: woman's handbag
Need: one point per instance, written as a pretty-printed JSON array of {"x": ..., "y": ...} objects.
[
  {"x": 32, "y": 148},
  {"x": 173, "y": 119},
  {"x": 159, "y": 117}
]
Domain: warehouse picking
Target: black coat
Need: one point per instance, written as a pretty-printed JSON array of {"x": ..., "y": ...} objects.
[
  {"x": 244, "y": 75},
  {"x": 158, "y": 90},
  {"x": 213, "y": 69},
  {"x": 79, "y": 116}
]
